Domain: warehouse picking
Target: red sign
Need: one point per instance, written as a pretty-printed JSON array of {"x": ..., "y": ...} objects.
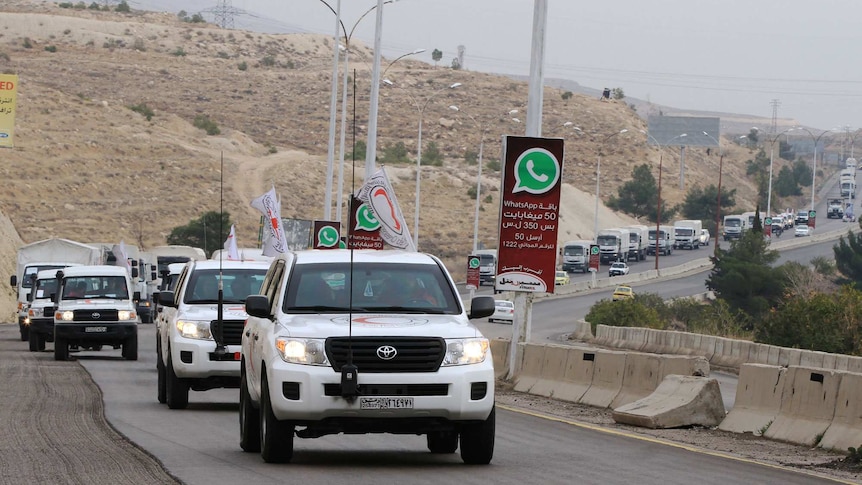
[
  {"x": 812, "y": 216},
  {"x": 364, "y": 230},
  {"x": 529, "y": 207},
  {"x": 767, "y": 226},
  {"x": 594, "y": 257},
  {"x": 473, "y": 279},
  {"x": 327, "y": 235}
]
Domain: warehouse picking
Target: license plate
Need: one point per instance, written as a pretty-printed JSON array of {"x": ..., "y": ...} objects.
[
  {"x": 95, "y": 329},
  {"x": 385, "y": 403}
]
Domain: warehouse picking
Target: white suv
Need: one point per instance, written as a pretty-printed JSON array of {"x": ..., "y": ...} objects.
[
  {"x": 405, "y": 360},
  {"x": 194, "y": 351}
]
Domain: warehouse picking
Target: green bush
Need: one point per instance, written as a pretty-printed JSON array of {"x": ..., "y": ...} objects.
[
  {"x": 179, "y": 52},
  {"x": 268, "y": 61},
  {"x": 144, "y": 110},
  {"x": 94, "y": 6},
  {"x": 395, "y": 154},
  {"x": 27, "y": 44},
  {"x": 431, "y": 155},
  {"x": 471, "y": 192},
  {"x": 51, "y": 48},
  {"x": 493, "y": 165},
  {"x": 123, "y": 7},
  {"x": 625, "y": 313},
  {"x": 242, "y": 66},
  {"x": 205, "y": 123}
]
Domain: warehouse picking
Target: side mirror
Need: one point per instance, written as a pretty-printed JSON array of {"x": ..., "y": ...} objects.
[
  {"x": 136, "y": 296},
  {"x": 13, "y": 280},
  {"x": 481, "y": 306},
  {"x": 166, "y": 298},
  {"x": 134, "y": 272},
  {"x": 258, "y": 306}
]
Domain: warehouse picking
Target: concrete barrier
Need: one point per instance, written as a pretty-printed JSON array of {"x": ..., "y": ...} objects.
[
  {"x": 609, "y": 367},
  {"x": 580, "y": 365},
  {"x": 788, "y": 357},
  {"x": 603, "y": 335},
  {"x": 758, "y": 399},
  {"x": 582, "y": 331},
  {"x": 854, "y": 364},
  {"x": 553, "y": 371},
  {"x": 530, "y": 369},
  {"x": 846, "y": 427},
  {"x": 683, "y": 365},
  {"x": 500, "y": 355},
  {"x": 811, "y": 358},
  {"x": 641, "y": 376},
  {"x": 807, "y": 405},
  {"x": 678, "y": 401}
]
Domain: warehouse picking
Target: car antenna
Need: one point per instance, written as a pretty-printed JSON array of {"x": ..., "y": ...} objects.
[
  {"x": 220, "y": 350},
  {"x": 349, "y": 378}
]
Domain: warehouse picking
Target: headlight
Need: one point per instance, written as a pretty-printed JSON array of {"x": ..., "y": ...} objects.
[
  {"x": 465, "y": 351},
  {"x": 66, "y": 316},
  {"x": 124, "y": 315},
  {"x": 302, "y": 351},
  {"x": 194, "y": 329}
]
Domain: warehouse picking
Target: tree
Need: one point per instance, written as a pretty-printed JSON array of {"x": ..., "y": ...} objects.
[
  {"x": 396, "y": 153},
  {"x": 702, "y": 203},
  {"x": 431, "y": 155},
  {"x": 618, "y": 93},
  {"x": 123, "y": 7},
  {"x": 359, "y": 150},
  {"x": 753, "y": 136},
  {"x": 785, "y": 183},
  {"x": 848, "y": 256},
  {"x": 456, "y": 64},
  {"x": 567, "y": 95},
  {"x": 802, "y": 173},
  {"x": 785, "y": 150},
  {"x": 637, "y": 196},
  {"x": 436, "y": 55},
  {"x": 209, "y": 231},
  {"x": 743, "y": 275}
]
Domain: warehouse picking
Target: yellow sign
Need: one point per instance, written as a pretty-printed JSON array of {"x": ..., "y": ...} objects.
[{"x": 8, "y": 94}]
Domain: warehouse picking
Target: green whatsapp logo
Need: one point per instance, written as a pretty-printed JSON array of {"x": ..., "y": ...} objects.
[
  {"x": 536, "y": 171},
  {"x": 327, "y": 237},
  {"x": 474, "y": 263},
  {"x": 365, "y": 219}
]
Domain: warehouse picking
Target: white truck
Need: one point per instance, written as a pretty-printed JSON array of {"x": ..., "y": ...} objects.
[
  {"x": 665, "y": 240},
  {"x": 95, "y": 307},
  {"x": 487, "y": 265},
  {"x": 54, "y": 254},
  {"x": 848, "y": 187},
  {"x": 403, "y": 359},
  {"x": 198, "y": 337},
  {"x": 638, "y": 242},
  {"x": 734, "y": 226},
  {"x": 687, "y": 233},
  {"x": 613, "y": 244},
  {"x": 576, "y": 256},
  {"x": 851, "y": 163}
]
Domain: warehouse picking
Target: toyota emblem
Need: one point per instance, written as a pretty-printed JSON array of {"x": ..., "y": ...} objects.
[
  {"x": 96, "y": 315},
  {"x": 386, "y": 352}
]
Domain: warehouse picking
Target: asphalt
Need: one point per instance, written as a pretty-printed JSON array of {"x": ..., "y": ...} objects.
[{"x": 53, "y": 427}]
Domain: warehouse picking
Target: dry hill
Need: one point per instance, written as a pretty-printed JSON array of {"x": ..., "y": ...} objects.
[{"x": 89, "y": 168}]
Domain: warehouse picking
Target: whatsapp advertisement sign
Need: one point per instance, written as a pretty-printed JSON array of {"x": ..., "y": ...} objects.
[
  {"x": 529, "y": 211},
  {"x": 327, "y": 235},
  {"x": 364, "y": 230}
]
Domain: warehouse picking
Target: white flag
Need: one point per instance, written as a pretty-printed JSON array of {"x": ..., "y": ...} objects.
[
  {"x": 230, "y": 245},
  {"x": 273, "y": 240},
  {"x": 378, "y": 194},
  {"x": 122, "y": 256}
]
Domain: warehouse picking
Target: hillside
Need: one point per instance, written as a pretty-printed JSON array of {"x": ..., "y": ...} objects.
[{"x": 87, "y": 167}]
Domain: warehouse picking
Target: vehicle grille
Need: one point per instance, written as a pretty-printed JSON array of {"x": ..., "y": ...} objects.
[
  {"x": 392, "y": 389},
  {"x": 95, "y": 315},
  {"x": 232, "y": 331},
  {"x": 414, "y": 354}
]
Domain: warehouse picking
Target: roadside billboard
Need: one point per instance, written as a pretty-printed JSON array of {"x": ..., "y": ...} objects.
[
  {"x": 473, "y": 278},
  {"x": 364, "y": 229},
  {"x": 529, "y": 208},
  {"x": 327, "y": 235},
  {"x": 8, "y": 97}
]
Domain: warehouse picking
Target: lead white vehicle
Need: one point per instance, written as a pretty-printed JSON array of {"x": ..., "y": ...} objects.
[
  {"x": 397, "y": 354},
  {"x": 194, "y": 352}
]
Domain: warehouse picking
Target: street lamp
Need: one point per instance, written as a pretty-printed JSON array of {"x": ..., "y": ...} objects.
[
  {"x": 483, "y": 130},
  {"x": 598, "y": 178},
  {"x": 412, "y": 53},
  {"x": 771, "y": 159},
  {"x": 718, "y": 196},
  {"x": 853, "y": 140},
  {"x": 419, "y": 156},
  {"x": 814, "y": 161},
  {"x": 658, "y": 201}
]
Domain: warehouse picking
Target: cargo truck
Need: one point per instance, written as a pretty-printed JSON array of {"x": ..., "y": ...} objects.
[
  {"x": 638, "y": 241},
  {"x": 613, "y": 244},
  {"x": 665, "y": 240},
  {"x": 576, "y": 256},
  {"x": 687, "y": 233}
]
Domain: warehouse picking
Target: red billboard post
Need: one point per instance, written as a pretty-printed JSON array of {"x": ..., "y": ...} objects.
[
  {"x": 327, "y": 235},
  {"x": 529, "y": 209},
  {"x": 473, "y": 280}
]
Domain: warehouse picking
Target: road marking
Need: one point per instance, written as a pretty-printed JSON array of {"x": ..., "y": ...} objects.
[{"x": 660, "y": 441}]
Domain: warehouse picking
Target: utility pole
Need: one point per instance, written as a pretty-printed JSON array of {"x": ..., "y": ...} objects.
[{"x": 774, "y": 126}]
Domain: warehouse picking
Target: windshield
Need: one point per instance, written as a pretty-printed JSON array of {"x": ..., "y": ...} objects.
[
  {"x": 30, "y": 273},
  {"x": 95, "y": 287},
  {"x": 486, "y": 259},
  {"x": 573, "y": 251},
  {"x": 44, "y": 288},
  {"x": 606, "y": 240},
  {"x": 237, "y": 284},
  {"x": 683, "y": 232},
  {"x": 377, "y": 287},
  {"x": 732, "y": 223}
]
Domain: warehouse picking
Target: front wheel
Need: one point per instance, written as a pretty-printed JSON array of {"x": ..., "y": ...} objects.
[
  {"x": 276, "y": 437},
  {"x": 130, "y": 348},
  {"x": 161, "y": 372},
  {"x": 177, "y": 394},
  {"x": 25, "y": 332},
  {"x": 477, "y": 441},
  {"x": 249, "y": 419},
  {"x": 61, "y": 349},
  {"x": 34, "y": 341}
]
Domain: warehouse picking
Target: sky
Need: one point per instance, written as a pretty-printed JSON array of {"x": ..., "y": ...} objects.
[{"x": 732, "y": 56}]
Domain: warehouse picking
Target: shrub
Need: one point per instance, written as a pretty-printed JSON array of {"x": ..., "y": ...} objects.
[
  {"x": 223, "y": 55},
  {"x": 123, "y": 7},
  {"x": 205, "y": 123},
  {"x": 179, "y": 52},
  {"x": 27, "y": 44},
  {"x": 51, "y": 48},
  {"x": 144, "y": 110},
  {"x": 268, "y": 61},
  {"x": 493, "y": 165},
  {"x": 94, "y": 6},
  {"x": 471, "y": 192},
  {"x": 242, "y": 66}
]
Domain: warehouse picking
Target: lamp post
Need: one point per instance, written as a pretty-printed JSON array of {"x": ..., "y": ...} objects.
[
  {"x": 598, "y": 178},
  {"x": 658, "y": 199},
  {"x": 771, "y": 160},
  {"x": 419, "y": 157},
  {"x": 814, "y": 161},
  {"x": 718, "y": 196},
  {"x": 853, "y": 140},
  {"x": 412, "y": 53}
]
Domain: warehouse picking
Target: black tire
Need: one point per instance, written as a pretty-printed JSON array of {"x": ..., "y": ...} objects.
[
  {"x": 162, "y": 392},
  {"x": 41, "y": 342},
  {"x": 249, "y": 419},
  {"x": 177, "y": 390},
  {"x": 34, "y": 341},
  {"x": 442, "y": 442},
  {"x": 477, "y": 441},
  {"x": 61, "y": 349},
  {"x": 130, "y": 348},
  {"x": 25, "y": 332},
  {"x": 276, "y": 437}
]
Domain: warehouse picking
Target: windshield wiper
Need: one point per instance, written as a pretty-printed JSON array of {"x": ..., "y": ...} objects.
[
  {"x": 407, "y": 309},
  {"x": 319, "y": 308}
]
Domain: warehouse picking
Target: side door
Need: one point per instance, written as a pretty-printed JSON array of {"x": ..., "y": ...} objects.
[
  {"x": 168, "y": 317},
  {"x": 258, "y": 330}
]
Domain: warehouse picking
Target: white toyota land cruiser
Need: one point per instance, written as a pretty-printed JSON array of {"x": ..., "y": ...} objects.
[
  {"x": 193, "y": 350},
  {"x": 373, "y": 342}
]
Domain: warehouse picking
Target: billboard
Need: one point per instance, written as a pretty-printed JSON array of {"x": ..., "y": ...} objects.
[
  {"x": 327, "y": 235},
  {"x": 8, "y": 96},
  {"x": 666, "y": 130},
  {"x": 364, "y": 229},
  {"x": 529, "y": 208}
]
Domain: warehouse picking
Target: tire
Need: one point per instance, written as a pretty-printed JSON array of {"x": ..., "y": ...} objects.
[
  {"x": 176, "y": 390},
  {"x": 477, "y": 441},
  {"x": 61, "y": 349},
  {"x": 41, "y": 342},
  {"x": 161, "y": 372},
  {"x": 276, "y": 437},
  {"x": 130, "y": 348},
  {"x": 442, "y": 442},
  {"x": 25, "y": 332},
  {"x": 249, "y": 419},
  {"x": 34, "y": 341}
]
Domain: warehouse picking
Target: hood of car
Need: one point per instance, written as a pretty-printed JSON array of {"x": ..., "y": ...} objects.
[
  {"x": 378, "y": 324},
  {"x": 231, "y": 311}
]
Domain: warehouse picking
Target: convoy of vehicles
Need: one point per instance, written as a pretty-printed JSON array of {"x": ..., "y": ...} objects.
[
  {"x": 389, "y": 349},
  {"x": 638, "y": 241},
  {"x": 734, "y": 226},
  {"x": 41, "y": 309}
]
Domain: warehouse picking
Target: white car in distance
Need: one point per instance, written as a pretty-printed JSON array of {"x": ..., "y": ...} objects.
[
  {"x": 803, "y": 230},
  {"x": 504, "y": 311}
]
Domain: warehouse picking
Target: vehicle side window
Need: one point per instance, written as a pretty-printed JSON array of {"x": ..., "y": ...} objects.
[
  {"x": 272, "y": 282},
  {"x": 181, "y": 280}
]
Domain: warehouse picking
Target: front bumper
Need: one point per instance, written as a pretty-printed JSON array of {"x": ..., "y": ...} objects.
[
  {"x": 43, "y": 326},
  {"x": 193, "y": 359},
  {"x": 113, "y": 332},
  {"x": 297, "y": 393}
]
